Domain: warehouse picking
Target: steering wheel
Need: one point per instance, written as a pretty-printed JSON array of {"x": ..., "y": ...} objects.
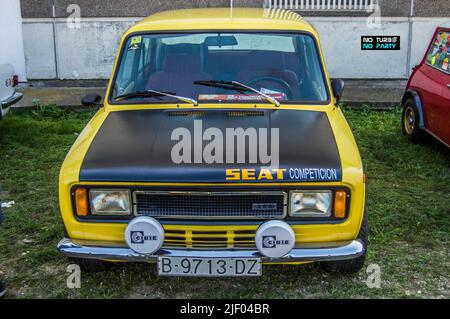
[{"x": 274, "y": 79}]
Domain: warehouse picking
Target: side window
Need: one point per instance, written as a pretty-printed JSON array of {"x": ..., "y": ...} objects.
[
  {"x": 128, "y": 65},
  {"x": 135, "y": 65},
  {"x": 125, "y": 74},
  {"x": 147, "y": 49},
  {"x": 439, "y": 54},
  {"x": 314, "y": 70}
]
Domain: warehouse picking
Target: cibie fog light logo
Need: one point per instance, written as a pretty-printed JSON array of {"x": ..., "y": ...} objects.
[
  {"x": 138, "y": 237},
  {"x": 272, "y": 242},
  {"x": 235, "y": 145}
]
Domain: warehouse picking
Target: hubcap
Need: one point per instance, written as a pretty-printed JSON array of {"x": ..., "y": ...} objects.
[{"x": 409, "y": 120}]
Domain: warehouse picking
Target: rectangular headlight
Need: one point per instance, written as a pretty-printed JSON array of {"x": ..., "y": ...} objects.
[
  {"x": 110, "y": 201},
  {"x": 310, "y": 203}
]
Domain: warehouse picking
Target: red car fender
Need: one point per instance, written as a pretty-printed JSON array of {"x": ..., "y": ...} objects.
[{"x": 417, "y": 100}]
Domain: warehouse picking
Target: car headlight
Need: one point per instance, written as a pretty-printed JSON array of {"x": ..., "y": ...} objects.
[
  {"x": 110, "y": 202},
  {"x": 310, "y": 203}
]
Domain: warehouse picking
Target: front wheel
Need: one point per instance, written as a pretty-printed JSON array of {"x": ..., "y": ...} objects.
[{"x": 350, "y": 266}]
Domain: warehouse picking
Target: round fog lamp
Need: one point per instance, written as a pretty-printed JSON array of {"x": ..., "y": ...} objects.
[
  {"x": 144, "y": 235},
  {"x": 275, "y": 239}
]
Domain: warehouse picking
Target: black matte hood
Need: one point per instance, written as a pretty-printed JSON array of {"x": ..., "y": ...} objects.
[{"x": 136, "y": 146}]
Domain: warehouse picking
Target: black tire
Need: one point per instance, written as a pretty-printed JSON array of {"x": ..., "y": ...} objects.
[
  {"x": 91, "y": 265},
  {"x": 350, "y": 266},
  {"x": 410, "y": 122}
]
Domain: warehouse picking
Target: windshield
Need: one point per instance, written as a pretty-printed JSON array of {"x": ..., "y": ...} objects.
[{"x": 283, "y": 66}]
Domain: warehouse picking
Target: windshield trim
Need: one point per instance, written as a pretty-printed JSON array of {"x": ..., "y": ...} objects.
[{"x": 111, "y": 101}]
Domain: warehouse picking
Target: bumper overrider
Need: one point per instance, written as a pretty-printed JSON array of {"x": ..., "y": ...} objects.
[
  {"x": 16, "y": 97},
  {"x": 275, "y": 243}
]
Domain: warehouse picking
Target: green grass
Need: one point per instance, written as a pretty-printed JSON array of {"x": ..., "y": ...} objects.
[{"x": 408, "y": 200}]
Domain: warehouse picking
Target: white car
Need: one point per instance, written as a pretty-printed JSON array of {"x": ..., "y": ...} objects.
[{"x": 8, "y": 95}]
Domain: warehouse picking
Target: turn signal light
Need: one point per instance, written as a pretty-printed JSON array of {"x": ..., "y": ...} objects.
[
  {"x": 340, "y": 201},
  {"x": 81, "y": 202}
]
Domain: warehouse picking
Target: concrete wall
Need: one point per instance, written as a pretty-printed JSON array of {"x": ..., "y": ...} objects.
[
  {"x": 341, "y": 43},
  {"x": 97, "y": 40},
  {"x": 11, "y": 50},
  {"x": 122, "y": 8},
  {"x": 345, "y": 59},
  {"x": 422, "y": 30},
  {"x": 142, "y": 8},
  {"x": 91, "y": 56},
  {"x": 87, "y": 52},
  {"x": 39, "y": 50}
]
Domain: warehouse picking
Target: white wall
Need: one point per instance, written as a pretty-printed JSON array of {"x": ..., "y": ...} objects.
[
  {"x": 341, "y": 43},
  {"x": 39, "y": 50},
  {"x": 423, "y": 30},
  {"x": 89, "y": 51},
  {"x": 11, "y": 49},
  {"x": 92, "y": 55}
]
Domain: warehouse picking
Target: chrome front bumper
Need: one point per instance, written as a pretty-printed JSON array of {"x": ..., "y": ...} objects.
[
  {"x": 117, "y": 252},
  {"x": 16, "y": 97}
]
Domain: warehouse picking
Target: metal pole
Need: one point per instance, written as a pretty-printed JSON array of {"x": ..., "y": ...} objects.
[
  {"x": 410, "y": 25},
  {"x": 54, "y": 39}
]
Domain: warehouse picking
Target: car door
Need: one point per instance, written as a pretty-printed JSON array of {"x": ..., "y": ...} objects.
[
  {"x": 445, "y": 118},
  {"x": 444, "y": 110},
  {"x": 436, "y": 94}
]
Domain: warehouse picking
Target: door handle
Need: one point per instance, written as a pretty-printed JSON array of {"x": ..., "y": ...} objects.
[{"x": 448, "y": 85}]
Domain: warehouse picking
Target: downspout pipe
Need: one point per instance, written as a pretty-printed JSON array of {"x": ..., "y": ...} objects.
[
  {"x": 410, "y": 33},
  {"x": 54, "y": 39}
]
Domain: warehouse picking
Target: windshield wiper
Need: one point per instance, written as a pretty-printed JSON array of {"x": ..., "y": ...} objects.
[
  {"x": 237, "y": 86},
  {"x": 153, "y": 93}
]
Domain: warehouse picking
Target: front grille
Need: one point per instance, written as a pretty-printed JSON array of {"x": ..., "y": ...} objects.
[
  {"x": 250, "y": 205},
  {"x": 210, "y": 239}
]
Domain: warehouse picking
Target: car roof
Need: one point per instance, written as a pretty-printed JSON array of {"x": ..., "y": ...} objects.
[{"x": 224, "y": 19}]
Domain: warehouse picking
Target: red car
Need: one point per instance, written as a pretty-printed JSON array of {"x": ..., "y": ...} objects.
[{"x": 426, "y": 101}]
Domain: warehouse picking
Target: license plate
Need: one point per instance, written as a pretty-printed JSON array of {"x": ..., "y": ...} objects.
[{"x": 209, "y": 267}]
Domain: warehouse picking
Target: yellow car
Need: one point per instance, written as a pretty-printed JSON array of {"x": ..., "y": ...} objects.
[{"x": 219, "y": 148}]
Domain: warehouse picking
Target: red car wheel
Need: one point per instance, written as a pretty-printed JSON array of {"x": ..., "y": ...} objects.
[{"x": 410, "y": 122}]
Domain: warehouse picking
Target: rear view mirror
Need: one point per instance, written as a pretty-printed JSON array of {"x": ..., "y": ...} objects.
[
  {"x": 92, "y": 99},
  {"x": 338, "y": 89},
  {"x": 220, "y": 41}
]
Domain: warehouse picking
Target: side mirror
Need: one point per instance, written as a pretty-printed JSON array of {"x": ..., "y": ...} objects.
[
  {"x": 92, "y": 99},
  {"x": 338, "y": 89}
]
